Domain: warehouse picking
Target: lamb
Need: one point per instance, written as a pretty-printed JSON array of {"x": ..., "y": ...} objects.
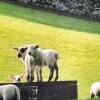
[
  {"x": 16, "y": 78},
  {"x": 9, "y": 92},
  {"x": 95, "y": 90},
  {"x": 37, "y": 57},
  {"x": 21, "y": 53},
  {"x": 50, "y": 59}
]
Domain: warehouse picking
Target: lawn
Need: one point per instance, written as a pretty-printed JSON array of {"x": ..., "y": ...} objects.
[{"x": 77, "y": 41}]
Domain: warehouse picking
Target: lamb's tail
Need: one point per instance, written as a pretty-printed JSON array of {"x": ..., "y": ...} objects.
[{"x": 56, "y": 56}]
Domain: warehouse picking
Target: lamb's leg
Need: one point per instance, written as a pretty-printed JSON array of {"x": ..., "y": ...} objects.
[
  {"x": 40, "y": 73},
  {"x": 27, "y": 75},
  {"x": 56, "y": 69},
  {"x": 92, "y": 95},
  {"x": 28, "y": 78},
  {"x": 51, "y": 73},
  {"x": 32, "y": 73},
  {"x": 37, "y": 73}
]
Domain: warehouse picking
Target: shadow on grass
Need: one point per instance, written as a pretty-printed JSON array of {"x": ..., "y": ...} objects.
[{"x": 50, "y": 19}]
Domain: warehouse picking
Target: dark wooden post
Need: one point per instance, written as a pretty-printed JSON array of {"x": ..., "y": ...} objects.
[{"x": 59, "y": 90}]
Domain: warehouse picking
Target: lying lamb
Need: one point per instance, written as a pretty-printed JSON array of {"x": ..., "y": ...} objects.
[
  {"x": 95, "y": 90},
  {"x": 16, "y": 78},
  {"x": 37, "y": 57},
  {"x": 9, "y": 92}
]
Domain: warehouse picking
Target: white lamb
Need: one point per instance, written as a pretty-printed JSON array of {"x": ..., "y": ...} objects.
[
  {"x": 21, "y": 53},
  {"x": 16, "y": 78},
  {"x": 95, "y": 90},
  {"x": 9, "y": 92},
  {"x": 37, "y": 57},
  {"x": 32, "y": 56}
]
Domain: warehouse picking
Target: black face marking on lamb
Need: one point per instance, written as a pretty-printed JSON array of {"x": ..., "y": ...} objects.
[
  {"x": 19, "y": 55},
  {"x": 35, "y": 47},
  {"x": 22, "y": 50},
  {"x": 18, "y": 79}
]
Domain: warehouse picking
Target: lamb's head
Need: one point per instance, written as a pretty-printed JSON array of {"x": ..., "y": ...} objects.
[
  {"x": 32, "y": 49},
  {"x": 21, "y": 52},
  {"x": 16, "y": 78}
]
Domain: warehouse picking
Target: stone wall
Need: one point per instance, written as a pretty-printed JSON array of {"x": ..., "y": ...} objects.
[
  {"x": 89, "y": 8},
  {"x": 78, "y": 8}
]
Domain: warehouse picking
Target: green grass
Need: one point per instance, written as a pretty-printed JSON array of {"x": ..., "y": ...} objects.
[
  {"x": 74, "y": 39},
  {"x": 54, "y": 20}
]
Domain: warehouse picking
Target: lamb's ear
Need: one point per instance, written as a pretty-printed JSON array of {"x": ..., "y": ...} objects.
[
  {"x": 16, "y": 49},
  {"x": 26, "y": 47},
  {"x": 13, "y": 77},
  {"x": 37, "y": 46}
]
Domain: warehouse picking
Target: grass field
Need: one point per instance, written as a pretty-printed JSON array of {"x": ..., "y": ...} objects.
[{"x": 77, "y": 41}]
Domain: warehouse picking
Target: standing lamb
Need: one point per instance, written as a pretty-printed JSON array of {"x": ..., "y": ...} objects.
[
  {"x": 21, "y": 53},
  {"x": 95, "y": 90},
  {"x": 9, "y": 92},
  {"x": 37, "y": 57},
  {"x": 44, "y": 57}
]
